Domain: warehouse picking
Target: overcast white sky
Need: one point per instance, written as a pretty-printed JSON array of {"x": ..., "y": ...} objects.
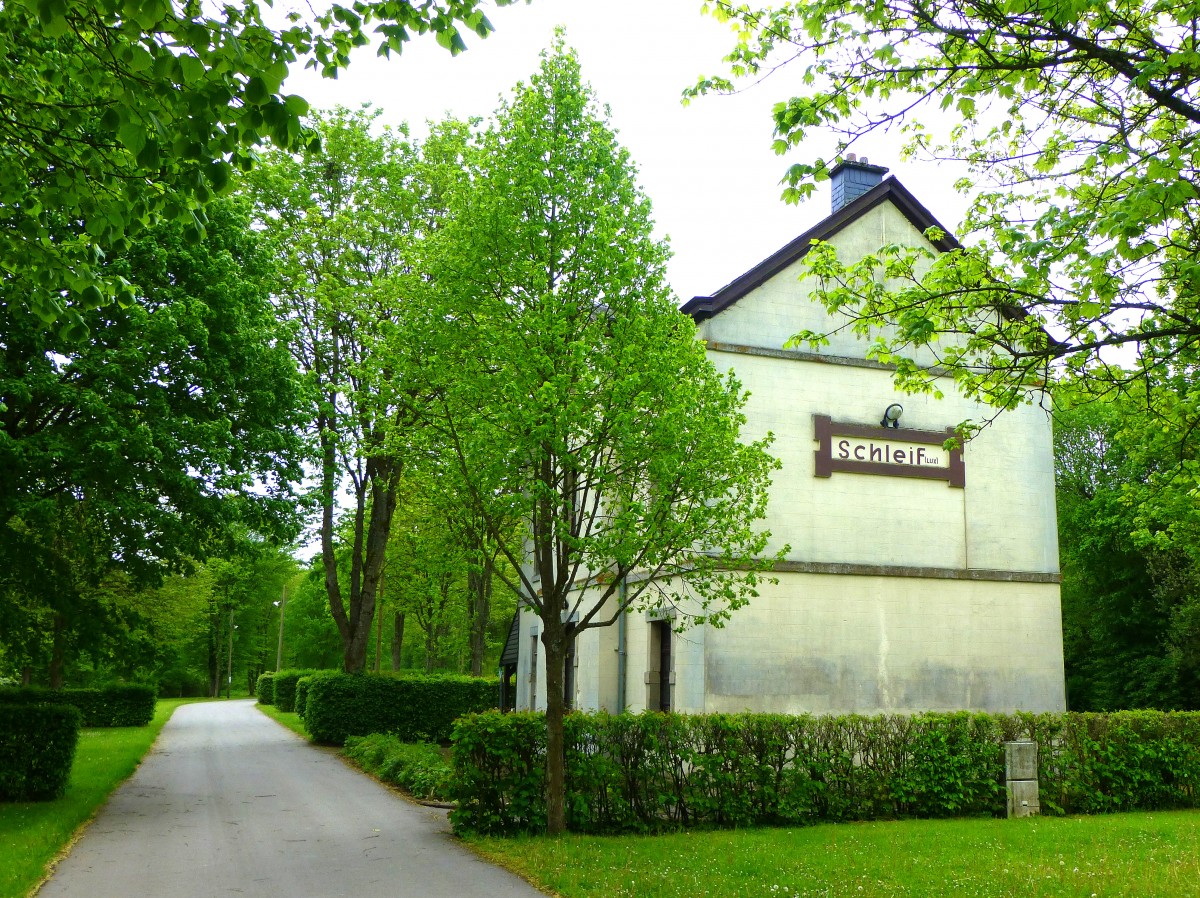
[{"x": 708, "y": 169}]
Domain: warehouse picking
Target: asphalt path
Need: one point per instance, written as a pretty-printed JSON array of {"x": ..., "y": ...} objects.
[{"x": 228, "y": 802}]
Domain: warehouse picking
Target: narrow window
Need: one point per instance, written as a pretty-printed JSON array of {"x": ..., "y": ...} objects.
[
  {"x": 533, "y": 663},
  {"x": 569, "y": 677},
  {"x": 660, "y": 661}
]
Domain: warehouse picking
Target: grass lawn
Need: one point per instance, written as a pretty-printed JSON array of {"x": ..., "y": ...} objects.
[
  {"x": 1120, "y": 855},
  {"x": 33, "y": 833},
  {"x": 289, "y": 719}
]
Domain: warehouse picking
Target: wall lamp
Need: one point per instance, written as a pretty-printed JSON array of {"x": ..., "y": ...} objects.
[{"x": 891, "y": 415}]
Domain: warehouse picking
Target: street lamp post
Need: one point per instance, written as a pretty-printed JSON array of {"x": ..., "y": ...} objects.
[
  {"x": 229, "y": 660},
  {"x": 279, "y": 649}
]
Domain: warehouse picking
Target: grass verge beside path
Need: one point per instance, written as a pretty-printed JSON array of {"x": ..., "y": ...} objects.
[
  {"x": 33, "y": 833},
  {"x": 289, "y": 719},
  {"x": 1142, "y": 855}
]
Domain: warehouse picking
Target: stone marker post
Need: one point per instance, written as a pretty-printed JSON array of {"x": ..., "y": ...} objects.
[{"x": 1020, "y": 771}]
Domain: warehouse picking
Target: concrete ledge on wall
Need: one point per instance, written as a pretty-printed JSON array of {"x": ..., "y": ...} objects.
[
  {"x": 799, "y": 355},
  {"x": 923, "y": 573},
  {"x": 896, "y": 570}
]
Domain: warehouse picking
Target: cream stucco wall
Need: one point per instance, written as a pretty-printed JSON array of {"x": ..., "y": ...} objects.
[
  {"x": 1004, "y": 519},
  {"x": 835, "y": 643}
]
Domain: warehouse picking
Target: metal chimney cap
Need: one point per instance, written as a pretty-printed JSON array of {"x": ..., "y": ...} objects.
[{"x": 851, "y": 161}]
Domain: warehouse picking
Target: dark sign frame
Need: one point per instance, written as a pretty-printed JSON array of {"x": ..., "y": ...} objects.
[{"x": 825, "y": 429}]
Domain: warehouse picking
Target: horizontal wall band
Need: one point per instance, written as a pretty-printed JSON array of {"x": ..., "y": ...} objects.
[
  {"x": 854, "y": 569},
  {"x": 797, "y": 355},
  {"x": 801, "y": 355},
  {"x": 897, "y": 570},
  {"x": 922, "y": 573}
]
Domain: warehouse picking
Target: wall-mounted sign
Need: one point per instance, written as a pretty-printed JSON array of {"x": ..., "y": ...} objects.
[{"x": 891, "y": 451}]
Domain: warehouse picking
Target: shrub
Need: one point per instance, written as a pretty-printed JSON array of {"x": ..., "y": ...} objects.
[
  {"x": 651, "y": 771},
  {"x": 499, "y": 763},
  {"x": 285, "y": 687},
  {"x": 109, "y": 706},
  {"x": 414, "y": 708},
  {"x": 302, "y": 684},
  {"x": 180, "y": 681},
  {"x": 1125, "y": 761},
  {"x": 265, "y": 689},
  {"x": 37, "y": 746},
  {"x": 418, "y": 768}
]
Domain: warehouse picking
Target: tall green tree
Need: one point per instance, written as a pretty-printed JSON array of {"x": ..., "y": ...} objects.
[
  {"x": 346, "y": 224},
  {"x": 245, "y": 585},
  {"x": 442, "y": 571},
  {"x": 310, "y": 636},
  {"x": 118, "y": 114},
  {"x": 1130, "y": 560},
  {"x": 54, "y": 568},
  {"x": 171, "y": 426},
  {"x": 572, "y": 395},
  {"x": 141, "y": 446},
  {"x": 1077, "y": 124}
]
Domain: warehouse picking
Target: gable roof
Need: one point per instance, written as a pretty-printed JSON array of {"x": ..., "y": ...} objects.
[{"x": 704, "y": 307}]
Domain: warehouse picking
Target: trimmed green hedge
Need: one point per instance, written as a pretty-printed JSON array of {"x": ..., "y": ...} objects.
[
  {"x": 499, "y": 784},
  {"x": 1123, "y": 761},
  {"x": 264, "y": 688},
  {"x": 668, "y": 771},
  {"x": 415, "y": 708},
  {"x": 285, "y": 686},
  {"x": 302, "y": 684},
  {"x": 417, "y": 767},
  {"x": 37, "y": 747},
  {"x": 109, "y": 706}
]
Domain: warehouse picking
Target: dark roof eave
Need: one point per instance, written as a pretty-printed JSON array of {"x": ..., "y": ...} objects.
[
  {"x": 509, "y": 654},
  {"x": 702, "y": 308}
]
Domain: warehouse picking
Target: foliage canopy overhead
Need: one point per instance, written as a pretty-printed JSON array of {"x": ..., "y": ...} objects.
[
  {"x": 115, "y": 114},
  {"x": 174, "y": 422},
  {"x": 1077, "y": 122}
]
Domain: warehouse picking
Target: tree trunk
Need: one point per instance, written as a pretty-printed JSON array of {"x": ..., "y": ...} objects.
[
  {"x": 430, "y": 647},
  {"x": 354, "y": 650},
  {"x": 366, "y": 568},
  {"x": 480, "y": 589},
  {"x": 58, "y": 653},
  {"x": 397, "y": 640},
  {"x": 554, "y": 641},
  {"x": 379, "y": 624},
  {"x": 214, "y": 655}
]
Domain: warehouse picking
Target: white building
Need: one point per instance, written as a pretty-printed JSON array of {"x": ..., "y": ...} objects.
[{"x": 915, "y": 580}]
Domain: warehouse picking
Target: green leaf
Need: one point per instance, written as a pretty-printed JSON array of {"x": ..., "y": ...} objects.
[
  {"x": 296, "y": 105},
  {"x": 149, "y": 157},
  {"x": 274, "y": 76},
  {"x": 257, "y": 93},
  {"x": 132, "y": 135},
  {"x": 219, "y": 173},
  {"x": 192, "y": 69}
]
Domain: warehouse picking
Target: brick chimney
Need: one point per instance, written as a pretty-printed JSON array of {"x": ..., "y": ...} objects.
[{"x": 851, "y": 178}]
